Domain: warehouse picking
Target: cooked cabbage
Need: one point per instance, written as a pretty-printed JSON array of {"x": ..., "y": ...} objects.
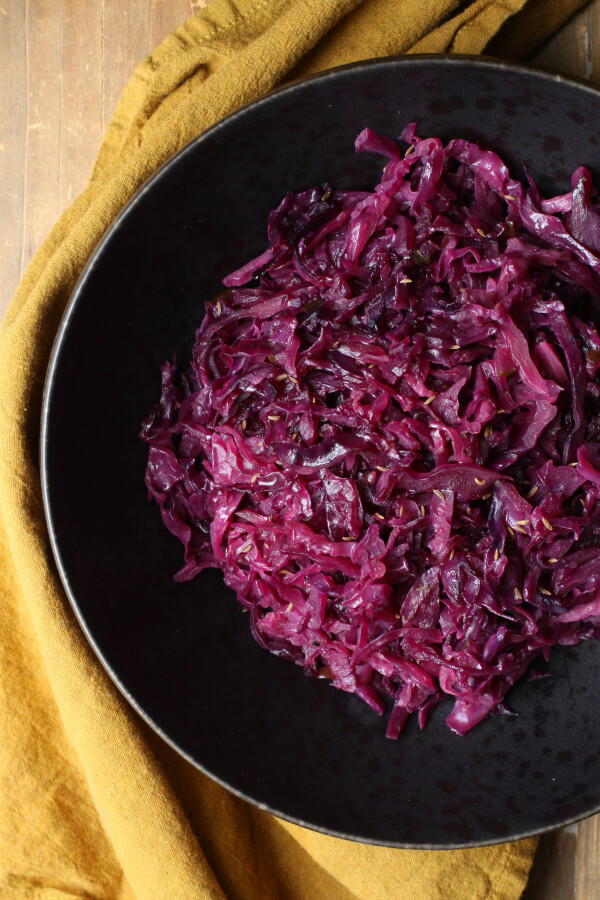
[{"x": 388, "y": 438}]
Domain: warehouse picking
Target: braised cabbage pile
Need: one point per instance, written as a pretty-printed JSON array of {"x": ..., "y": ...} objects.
[{"x": 388, "y": 438}]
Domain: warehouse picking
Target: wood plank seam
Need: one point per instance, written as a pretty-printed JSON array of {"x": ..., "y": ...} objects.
[{"x": 26, "y": 148}]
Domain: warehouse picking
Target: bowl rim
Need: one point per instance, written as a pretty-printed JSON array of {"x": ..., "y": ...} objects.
[{"x": 489, "y": 63}]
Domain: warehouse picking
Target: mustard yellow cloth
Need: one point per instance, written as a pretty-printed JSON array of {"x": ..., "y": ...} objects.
[{"x": 91, "y": 803}]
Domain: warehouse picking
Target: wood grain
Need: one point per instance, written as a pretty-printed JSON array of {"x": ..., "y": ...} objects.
[
  {"x": 65, "y": 63},
  {"x": 81, "y": 97},
  {"x": 126, "y": 31},
  {"x": 575, "y": 49},
  {"x": 43, "y": 123},
  {"x": 587, "y": 874},
  {"x": 553, "y": 875},
  {"x": 13, "y": 124}
]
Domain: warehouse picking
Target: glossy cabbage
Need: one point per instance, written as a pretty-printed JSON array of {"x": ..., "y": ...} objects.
[{"x": 388, "y": 438}]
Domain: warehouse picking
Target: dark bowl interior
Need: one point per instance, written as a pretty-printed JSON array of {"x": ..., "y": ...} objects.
[{"x": 182, "y": 653}]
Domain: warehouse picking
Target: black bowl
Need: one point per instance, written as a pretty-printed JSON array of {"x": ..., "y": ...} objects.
[{"x": 182, "y": 653}]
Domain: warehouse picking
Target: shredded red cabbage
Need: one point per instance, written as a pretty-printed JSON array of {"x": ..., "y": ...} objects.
[{"x": 389, "y": 436}]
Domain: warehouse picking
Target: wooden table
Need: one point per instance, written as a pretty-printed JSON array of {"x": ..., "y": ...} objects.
[{"x": 64, "y": 65}]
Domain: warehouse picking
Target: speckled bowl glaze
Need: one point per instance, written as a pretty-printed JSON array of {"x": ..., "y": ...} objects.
[{"x": 182, "y": 654}]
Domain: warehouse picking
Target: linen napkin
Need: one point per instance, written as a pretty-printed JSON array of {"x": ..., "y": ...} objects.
[{"x": 92, "y": 804}]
